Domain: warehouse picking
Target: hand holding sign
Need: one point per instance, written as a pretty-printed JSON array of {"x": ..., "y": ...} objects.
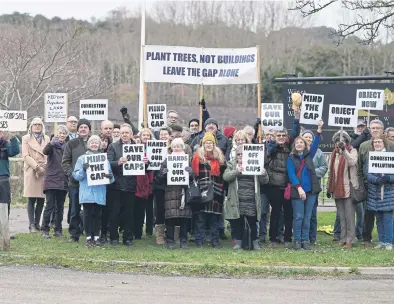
[
  {"x": 122, "y": 161},
  {"x": 85, "y": 166},
  {"x": 109, "y": 175}
]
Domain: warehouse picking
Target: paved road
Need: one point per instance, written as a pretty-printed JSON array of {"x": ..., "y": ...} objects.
[{"x": 36, "y": 285}]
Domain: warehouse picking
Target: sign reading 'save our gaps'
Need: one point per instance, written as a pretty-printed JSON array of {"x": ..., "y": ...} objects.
[
  {"x": 342, "y": 116},
  {"x": 157, "y": 114},
  {"x": 93, "y": 109},
  {"x": 370, "y": 99},
  {"x": 13, "y": 121},
  {"x": 55, "y": 107},
  {"x": 311, "y": 108},
  {"x": 252, "y": 159},
  {"x": 156, "y": 151},
  {"x": 207, "y": 66},
  {"x": 381, "y": 162},
  {"x": 272, "y": 116},
  {"x": 135, "y": 156},
  {"x": 176, "y": 165},
  {"x": 97, "y": 170}
]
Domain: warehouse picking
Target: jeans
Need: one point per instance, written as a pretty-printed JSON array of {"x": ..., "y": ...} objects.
[
  {"x": 92, "y": 219},
  {"x": 142, "y": 206},
  {"x": 75, "y": 219},
  {"x": 277, "y": 201},
  {"x": 302, "y": 212},
  {"x": 359, "y": 223},
  {"x": 202, "y": 218},
  {"x": 183, "y": 224},
  {"x": 160, "y": 211},
  {"x": 313, "y": 224},
  {"x": 384, "y": 223},
  {"x": 54, "y": 205},
  {"x": 239, "y": 225},
  {"x": 121, "y": 200},
  {"x": 265, "y": 209},
  {"x": 34, "y": 210}
]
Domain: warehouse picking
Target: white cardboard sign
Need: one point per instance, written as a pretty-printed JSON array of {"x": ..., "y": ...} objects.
[
  {"x": 370, "y": 99},
  {"x": 135, "y": 156},
  {"x": 252, "y": 159},
  {"x": 156, "y": 151},
  {"x": 342, "y": 116},
  {"x": 157, "y": 116},
  {"x": 176, "y": 165},
  {"x": 98, "y": 168},
  {"x": 56, "y": 107},
  {"x": 93, "y": 109},
  {"x": 311, "y": 108},
  {"x": 381, "y": 162},
  {"x": 272, "y": 116},
  {"x": 13, "y": 121}
]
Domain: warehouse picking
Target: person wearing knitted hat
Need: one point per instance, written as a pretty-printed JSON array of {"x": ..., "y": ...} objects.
[
  {"x": 343, "y": 171},
  {"x": 73, "y": 150},
  {"x": 320, "y": 164},
  {"x": 208, "y": 165}
]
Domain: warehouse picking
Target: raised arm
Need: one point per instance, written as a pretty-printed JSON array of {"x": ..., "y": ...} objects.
[{"x": 13, "y": 147}]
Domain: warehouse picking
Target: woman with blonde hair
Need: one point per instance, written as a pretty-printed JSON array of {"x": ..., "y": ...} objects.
[
  {"x": 240, "y": 138},
  {"x": 208, "y": 166},
  {"x": 35, "y": 161}
]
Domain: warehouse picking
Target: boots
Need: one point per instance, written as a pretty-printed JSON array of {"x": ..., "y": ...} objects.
[
  {"x": 176, "y": 234},
  {"x": 238, "y": 245},
  {"x": 256, "y": 245},
  {"x": 160, "y": 240}
]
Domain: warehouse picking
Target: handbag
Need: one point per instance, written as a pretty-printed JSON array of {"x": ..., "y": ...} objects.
[
  {"x": 193, "y": 193},
  {"x": 358, "y": 194},
  {"x": 247, "y": 237},
  {"x": 207, "y": 193},
  {"x": 287, "y": 194}
]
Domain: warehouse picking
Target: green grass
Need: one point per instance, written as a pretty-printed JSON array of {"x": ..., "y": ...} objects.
[{"x": 148, "y": 257}]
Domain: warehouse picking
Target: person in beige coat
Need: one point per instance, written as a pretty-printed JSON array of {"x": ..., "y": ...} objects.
[
  {"x": 343, "y": 172},
  {"x": 33, "y": 144}
]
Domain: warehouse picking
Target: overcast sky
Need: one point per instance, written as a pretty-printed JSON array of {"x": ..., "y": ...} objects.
[{"x": 85, "y": 9}]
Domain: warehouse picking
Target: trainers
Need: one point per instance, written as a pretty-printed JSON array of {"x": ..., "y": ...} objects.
[
  {"x": 58, "y": 234},
  {"x": 389, "y": 247},
  {"x": 256, "y": 245},
  {"x": 379, "y": 246},
  {"x": 128, "y": 243},
  {"x": 273, "y": 245},
  {"x": 89, "y": 243},
  {"x": 33, "y": 229},
  {"x": 297, "y": 245},
  {"x": 183, "y": 245},
  {"x": 45, "y": 235},
  {"x": 238, "y": 245},
  {"x": 305, "y": 246},
  {"x": 288, "y": 245}
]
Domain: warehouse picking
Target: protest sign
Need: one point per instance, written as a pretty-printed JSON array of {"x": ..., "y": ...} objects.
[
  {"x": 370, "y": 99},
  {"x": 135, "y": 164},
  {"x": 156, "y": 151},
  {"x": 98, "y": 168},
  {"x": 311, "y": 108},
  {"x": 207, "y": 66},
  {"x": 381, "y": 162},
  {"x": 55, "y": 107},
  {"x": 93, "y": 109},
  {"x": 272, "y": 116},
  {"x": 176, "y": 165},
  {"x": 252, "y": 159},
  {"x": 157, "y": 116},
  {"x": 13, "y": 121},
  {"x": 343, "y": 116}
]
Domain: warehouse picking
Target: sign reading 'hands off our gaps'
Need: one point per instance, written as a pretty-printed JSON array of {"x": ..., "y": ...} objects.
[
  {"x": 13, "y": 121},
  {"x": 343, "y": 116},
  {"x": 156, "y": 151},
  {"x": 157, "y": 116},
  {"x": 370, "y": 99},
  {"x": 272, "y": 116},
  {"x": 381, "y": 162},
  {"x": 97, "y": 170},
  {"x": 177, "y": 175},
  {"x": 93, "y": 109},
  {"x": 135, "y": 160},
  {"x": 252, "y": 159},
  {"x": 55, "y": 107},
  {"x": 207, "y": 66},
  {"x": 311, "y": 108}
]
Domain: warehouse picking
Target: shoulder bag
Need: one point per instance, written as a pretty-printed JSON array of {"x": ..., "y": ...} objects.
[{"x": 287, "y": 194}]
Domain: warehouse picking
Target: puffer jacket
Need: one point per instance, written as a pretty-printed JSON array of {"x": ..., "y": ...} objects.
[
  {"x": 380, "y": 197},
  {"x": 122, "y": 182}
]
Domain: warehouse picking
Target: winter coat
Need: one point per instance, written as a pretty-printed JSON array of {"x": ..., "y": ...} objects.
[
  {"x": 122, "y": 182},
  {"x": 320, "y": 164},
  {"x": 89, "y": 194},
  {"x": 380, "y": 197},
  {"x": 231, "y": 207},
  {"x": 73, "y": 150},
  {"x": 221, "y": 141},
  {"x": 54, "y": 178},
  {"x": 32, "y": 153},
  {"x": 7, "y": 149},
  {"x": 205, "y": 117},
  {"x": 350, "y": 169},
  {"x": 357, "y": 140},
  {"x": 276, "y": 159}
]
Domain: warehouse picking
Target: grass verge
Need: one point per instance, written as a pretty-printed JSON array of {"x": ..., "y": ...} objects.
[{"x": 149, "y": 258}]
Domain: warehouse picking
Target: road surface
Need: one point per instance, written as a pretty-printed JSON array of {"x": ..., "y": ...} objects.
[{"x": 36, "y": 285}]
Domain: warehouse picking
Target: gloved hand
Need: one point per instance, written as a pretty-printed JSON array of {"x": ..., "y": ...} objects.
[
  {"x": 85, "y": 166},
  {"x": 109, "y": 175},
  {"x": 54, "y": 140},
  {"x": 258, "y": 121},
  {"x": 188, "y": 169},
  {"x": 328, "y": 195},
  {"x": 202, "y": 103},
  {"x": 341, "y": 145},
  {"x": 385, "y": 178},
  {"x": 123, "y": 110},
  {"x": 271, "y": 146},
  {"x": 165, "y": 171}
]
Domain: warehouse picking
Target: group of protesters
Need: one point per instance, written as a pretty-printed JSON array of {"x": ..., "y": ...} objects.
[{"x": 285, "y": 195}]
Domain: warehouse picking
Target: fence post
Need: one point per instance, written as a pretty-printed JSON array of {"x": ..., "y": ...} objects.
[{"x": 4, "y": 228}]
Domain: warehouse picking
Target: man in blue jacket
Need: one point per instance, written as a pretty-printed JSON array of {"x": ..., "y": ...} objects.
[{"x": 9, "y": 146}]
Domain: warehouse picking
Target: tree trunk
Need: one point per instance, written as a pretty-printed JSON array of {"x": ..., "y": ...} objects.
[{"x": 4, "y": 228}]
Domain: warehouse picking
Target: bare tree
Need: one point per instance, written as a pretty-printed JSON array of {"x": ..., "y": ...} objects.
[{"x": 370, "y": 17}]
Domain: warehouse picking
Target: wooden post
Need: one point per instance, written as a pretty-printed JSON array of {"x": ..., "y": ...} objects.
[
  {"x": 368, "y": 118},
  {"x": 145, "y": 105},
  {"x": 201, "y": 98},
  {"x": 4, "y": 228},
  {"x": 259, "y": 134},
  {"x": 55, "y": 128}
]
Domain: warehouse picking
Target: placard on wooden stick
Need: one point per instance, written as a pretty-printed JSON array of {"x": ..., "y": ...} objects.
[
  {"x": 135, "y": 164},
  {"x": 13, "y": 121},
  {"x": 176, "y": 165},
  {"x": 252, "y": 159},
  {"x": 272, "y": 116},
  {"x": 55, "y": 107},
  {"x": 343, "y": 116}
]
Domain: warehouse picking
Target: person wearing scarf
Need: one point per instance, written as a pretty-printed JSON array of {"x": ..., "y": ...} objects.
[
  {"x": 35, "y": 161},
  {"x": 343, "y": 171},
  {"x": 144, "y": 196},
  {"x": 92, "y": 198},
  {"x": 208, "y": 166},
  {"x": 55, "y": 183}
]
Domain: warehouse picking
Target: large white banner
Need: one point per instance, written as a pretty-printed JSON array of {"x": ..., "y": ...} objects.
[{"x": 181, "y": 64}]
